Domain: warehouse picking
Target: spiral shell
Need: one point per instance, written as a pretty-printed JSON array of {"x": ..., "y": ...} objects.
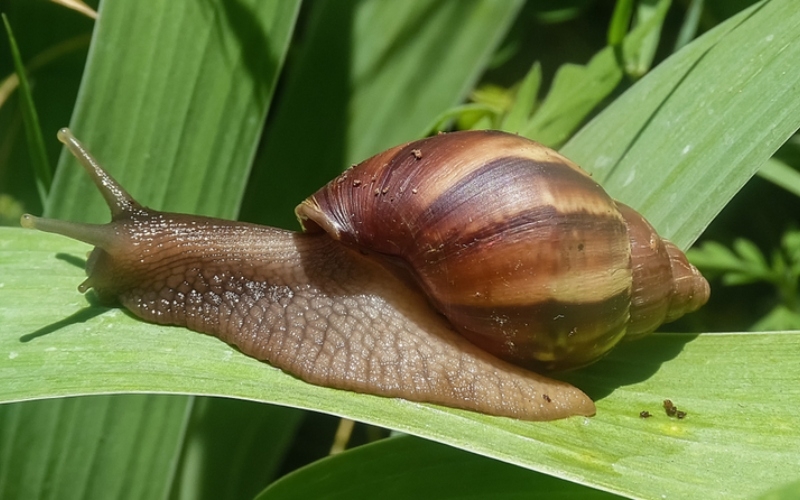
[{"x": 519, "y": 248}]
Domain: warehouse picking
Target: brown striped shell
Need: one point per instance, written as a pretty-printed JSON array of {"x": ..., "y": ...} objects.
[{"x": 518, "y": 247}]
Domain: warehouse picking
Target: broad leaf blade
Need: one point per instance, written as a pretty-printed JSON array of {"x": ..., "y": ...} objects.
[
  {"x": 370, "y": 75},
  {"x": 740, "y": 390},
  {"x": 704, "y": 122},
  {"x": 98, "y": 447},
  {"x": 175, "y": 110},
  {"x": 407, "y": 467}
]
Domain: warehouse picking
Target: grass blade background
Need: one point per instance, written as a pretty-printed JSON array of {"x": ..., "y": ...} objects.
[
  {"x": 408, "y": 467},
  {"x": 55, "y": 42},
  {"x": 709, "y": 116},
  {"x": 44, "y": 175},
  {"x": 781, "y": 174},
  {"x": 175, "y": 109},
  {"x": 98, "y": 447},
  {"x": 740, "y": 405},
  {"x": 371, "y": 75},
  {"x": 233, "y": 448}
]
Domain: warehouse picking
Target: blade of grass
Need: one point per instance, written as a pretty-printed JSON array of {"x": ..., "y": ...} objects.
[
  {"x": 78, "y": 6},
  {"x": 708, "y": 118},
  {"x": 175, "y": 111},
  {"x": 639, "y": 58},
  {"x": 118, "y": 441},
  {"x": 782, "y": 175},
  {"x": 691, "y": 23},
  {"x": 524, "y": 101},
  {"x": 620, "y": 21},
  {"x": 408, "y": 467},
  {"x": 738, "y": 406},
  {"x": 233, "y": 448},
  {"x": 370, "y": 75},
  {"x": 33, "y": 133}
]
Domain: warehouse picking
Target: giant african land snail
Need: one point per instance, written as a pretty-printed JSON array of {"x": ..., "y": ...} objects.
[{"x": 518, "y": 249}]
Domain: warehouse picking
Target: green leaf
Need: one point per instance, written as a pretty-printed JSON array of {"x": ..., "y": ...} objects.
[
  {"x": 98, "y": 447},
  {"x": 459, "y": 113},
  {"x": 408, "y": 467},
  {"x": 575, "y": 92},
  {"x": 738, "y": 406},
  {"x": 690, "y": 24},
  {"x": 741, "y": 265},
  {"x": 791, "y": 246},
  {"x": 369, "y": 76},
  {"x": 706, "y": 120},
  {"x": 44, "y": 176},
  {"x": 711, "y": 255},
  {"x": 789, "y": 491},
  {"x": 639, "y": 56},
  {"x": 779, "y": 319},
  {"x": 525, "y": 100},
  {"x": 751, "y": 255},
  {"x": 781, "y": 174}
]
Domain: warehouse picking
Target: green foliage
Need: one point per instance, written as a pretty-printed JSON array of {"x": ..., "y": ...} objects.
[
  {"x": 782, "y": 175},
  {"x": 44, "y": 176},
  {"x": 744, "y": 263},
  {"x": 191, "y": 106},
  {"x": 408, "y": 467}
]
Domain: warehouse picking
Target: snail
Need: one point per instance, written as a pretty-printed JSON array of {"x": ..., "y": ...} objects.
[{"x": 449, "y": 270}]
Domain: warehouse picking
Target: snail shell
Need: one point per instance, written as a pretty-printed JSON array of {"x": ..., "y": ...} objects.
[
  {"x": 518, "y": 247},
  {"x": 515, "y": 246}
]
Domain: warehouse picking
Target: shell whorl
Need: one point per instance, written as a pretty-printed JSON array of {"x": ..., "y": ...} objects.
[
  {"x": 665, "y": 285},
  {"x": 525, "y": 254}
]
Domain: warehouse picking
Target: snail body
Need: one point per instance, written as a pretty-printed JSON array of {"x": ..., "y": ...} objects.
[{"x": 524, "y": 260}]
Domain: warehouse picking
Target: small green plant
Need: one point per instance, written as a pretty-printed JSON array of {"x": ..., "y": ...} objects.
[{"x": 744, "y": 263}]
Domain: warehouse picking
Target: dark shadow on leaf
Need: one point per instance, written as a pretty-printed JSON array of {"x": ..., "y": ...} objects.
[
  {"x": 629, "y": 363},
  {"x": 71, "y": 259},
  {"x": 306, "y": 126},
  {"x": 239, "y": 18},
  {"x": 94, "y": 309},
  {"x": 82, "y": 316}
]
